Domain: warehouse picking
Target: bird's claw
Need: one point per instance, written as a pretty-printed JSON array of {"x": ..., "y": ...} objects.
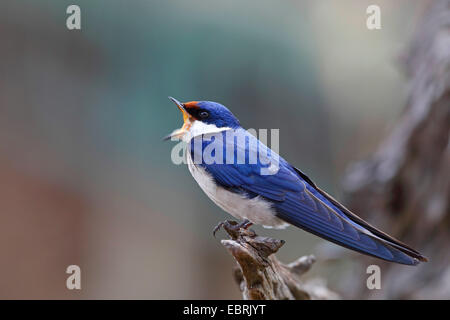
[
  {"x": 232, "y": 227},
  {"x": 228, "y": 223}
]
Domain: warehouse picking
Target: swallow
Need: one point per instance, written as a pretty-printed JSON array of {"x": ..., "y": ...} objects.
[{"x": 269, "y": 191}]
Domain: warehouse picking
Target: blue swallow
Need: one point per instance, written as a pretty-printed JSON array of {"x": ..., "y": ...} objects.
[{"x": 254, "y": 184}]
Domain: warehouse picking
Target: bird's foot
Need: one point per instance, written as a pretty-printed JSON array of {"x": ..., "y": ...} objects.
[{"x": 232, "y": 227}]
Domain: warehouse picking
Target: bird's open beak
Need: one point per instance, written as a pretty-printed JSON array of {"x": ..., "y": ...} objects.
[{"x": 187, "y": 118}]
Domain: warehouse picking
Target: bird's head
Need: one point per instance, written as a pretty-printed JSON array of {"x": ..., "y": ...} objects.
[{"x": 202, "y": 117}]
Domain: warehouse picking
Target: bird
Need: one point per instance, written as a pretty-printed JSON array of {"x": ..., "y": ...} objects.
[{"x": 270, "y": 191}]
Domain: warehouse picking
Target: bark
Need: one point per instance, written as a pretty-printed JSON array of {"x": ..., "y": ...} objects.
[
  {"x": 261, "y": 276},
  {"x": 405, "y": 187}
]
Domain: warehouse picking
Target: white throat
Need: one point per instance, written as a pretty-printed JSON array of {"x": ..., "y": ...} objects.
[{"x": 198, "y": 128}]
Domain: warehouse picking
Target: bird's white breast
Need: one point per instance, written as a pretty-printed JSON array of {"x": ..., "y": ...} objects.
[{"x": 257, "y": 210}]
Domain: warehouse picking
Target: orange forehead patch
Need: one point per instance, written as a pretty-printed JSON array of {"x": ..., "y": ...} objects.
[{"x": 191, "y": 104}]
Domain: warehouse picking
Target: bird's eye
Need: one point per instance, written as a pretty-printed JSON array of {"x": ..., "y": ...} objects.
[{"x": 204, "y": 114}]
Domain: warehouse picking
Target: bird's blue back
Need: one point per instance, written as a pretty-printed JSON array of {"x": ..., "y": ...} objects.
[{"x": 294, "y": 198}]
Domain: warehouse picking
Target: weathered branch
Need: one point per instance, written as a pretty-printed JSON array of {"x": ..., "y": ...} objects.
[{"x": 261, "y": 276}]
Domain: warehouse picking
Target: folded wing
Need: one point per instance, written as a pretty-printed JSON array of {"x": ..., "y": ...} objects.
[{"x": 298, "y": 201}]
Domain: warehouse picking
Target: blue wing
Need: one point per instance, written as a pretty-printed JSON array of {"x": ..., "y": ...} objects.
[{"x": 295, "y": 198}]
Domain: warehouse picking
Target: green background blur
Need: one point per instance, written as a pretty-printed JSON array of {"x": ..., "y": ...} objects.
[{"x": 85, "y": 177}]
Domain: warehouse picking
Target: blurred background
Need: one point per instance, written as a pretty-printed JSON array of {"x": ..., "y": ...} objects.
[{"x": 85, "y": 177}]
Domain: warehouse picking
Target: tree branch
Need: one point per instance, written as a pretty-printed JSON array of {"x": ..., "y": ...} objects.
[{"x": 261, "y": 276}]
